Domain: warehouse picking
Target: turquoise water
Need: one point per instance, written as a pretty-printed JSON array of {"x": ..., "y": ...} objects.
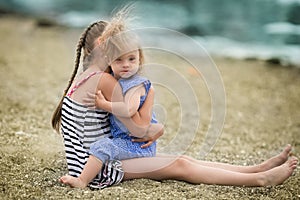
[{"x": 246, "y": 29}]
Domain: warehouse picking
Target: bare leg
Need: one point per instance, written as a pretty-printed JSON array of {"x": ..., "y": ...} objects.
[
  {"x": 91, "y": 169},
  {"x": 264, "y": 166},
  {"x": 160, "y": 168}
]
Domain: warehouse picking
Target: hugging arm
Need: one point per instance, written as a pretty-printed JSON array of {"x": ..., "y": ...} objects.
[
  {"x": 139, "y": 124},
  {"x": 121, "y": 106},
  {"x": 147, "y": 132}
]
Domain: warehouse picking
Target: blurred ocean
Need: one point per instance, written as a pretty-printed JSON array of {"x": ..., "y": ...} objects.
[{"x": 245, "y": 29}]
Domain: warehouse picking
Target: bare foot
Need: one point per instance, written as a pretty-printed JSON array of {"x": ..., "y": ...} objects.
[
  {"x": 276, "y": 160},
  {"x": 279, "y": 174},
  {"x": 72, "y": 181}
]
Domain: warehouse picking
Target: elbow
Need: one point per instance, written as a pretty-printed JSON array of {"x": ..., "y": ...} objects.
[
  {"x": 139, "y": 131},
  {"x": 161, "y": 130},
  {"x": 131, "y": 112}
]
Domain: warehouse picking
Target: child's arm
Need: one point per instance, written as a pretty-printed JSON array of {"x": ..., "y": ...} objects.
[
  {"x": 112, "y": 91},
  {"x": 144, "y": 115},
  {"x": 139, "y": 123},
  {"x": 132, "y": 103},
  {"x": 126, "y": 108},
  {"x": 154, "y": 132}
]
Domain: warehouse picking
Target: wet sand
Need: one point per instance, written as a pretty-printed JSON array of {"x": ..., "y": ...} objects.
[{"x": 262, "y": 116}]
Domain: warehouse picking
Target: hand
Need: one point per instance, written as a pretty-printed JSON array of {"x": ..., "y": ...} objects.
[
  {"x": 149, "y": 138},
  {"x": 100, "y": 100}
]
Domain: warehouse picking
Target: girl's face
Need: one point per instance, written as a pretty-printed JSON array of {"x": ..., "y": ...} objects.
[{"x": 126, "y": 65}]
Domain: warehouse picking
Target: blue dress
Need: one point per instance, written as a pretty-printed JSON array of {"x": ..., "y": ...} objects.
[{"x": 120, "y": 146}]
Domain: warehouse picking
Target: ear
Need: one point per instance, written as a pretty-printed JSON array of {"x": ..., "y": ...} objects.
[
  {"x": 97, "y": 42},
  {"x": 141, "y": 57}
]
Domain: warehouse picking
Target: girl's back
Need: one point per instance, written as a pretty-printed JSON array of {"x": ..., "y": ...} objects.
[{"x": 81, "y": 125}]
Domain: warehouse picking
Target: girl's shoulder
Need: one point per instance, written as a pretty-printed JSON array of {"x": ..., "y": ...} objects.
[
  {"x": 133, "y": 81},
  {"x": 106, "y": 77},
  {"x": 107, "y": 82}
]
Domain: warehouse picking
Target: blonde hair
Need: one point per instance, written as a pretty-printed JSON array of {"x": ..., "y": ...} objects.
[
  {"x": 99, "y": 30},
  {"x": 117, "y": 40}
]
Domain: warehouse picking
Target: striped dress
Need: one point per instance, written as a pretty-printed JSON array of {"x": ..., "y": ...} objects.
[{"x": 81, "y": 127}]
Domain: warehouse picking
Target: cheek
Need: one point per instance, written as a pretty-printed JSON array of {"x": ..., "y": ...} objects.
[{"x": 137, "y": 68}]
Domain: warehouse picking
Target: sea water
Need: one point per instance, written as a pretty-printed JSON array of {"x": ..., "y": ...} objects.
[{"x": 244, "y": 29}]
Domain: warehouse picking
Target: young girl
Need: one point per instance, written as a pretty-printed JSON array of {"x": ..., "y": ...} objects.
[
  {"x": 77, "y": 140},
  {"x": 82, "y": 126},
  {"x": 135, "y": 89}
]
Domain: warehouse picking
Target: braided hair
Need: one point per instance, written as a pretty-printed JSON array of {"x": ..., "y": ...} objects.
[{"x": 87, "y": 43}]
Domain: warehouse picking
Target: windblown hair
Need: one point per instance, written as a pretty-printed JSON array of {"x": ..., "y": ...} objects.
[
  {"x": 117, "y": 39},
  {"x": 114, "y": 39}
]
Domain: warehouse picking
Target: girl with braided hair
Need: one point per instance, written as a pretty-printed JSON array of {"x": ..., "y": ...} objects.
[
  {"x": 125, "y": 58},
  {"x": 81, "y": 126}
]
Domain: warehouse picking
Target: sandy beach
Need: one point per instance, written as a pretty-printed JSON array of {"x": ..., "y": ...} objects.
[{"x": 262, "y": 116}]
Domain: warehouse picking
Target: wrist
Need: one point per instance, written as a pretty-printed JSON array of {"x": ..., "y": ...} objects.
[{"x": 107, "y": 106}]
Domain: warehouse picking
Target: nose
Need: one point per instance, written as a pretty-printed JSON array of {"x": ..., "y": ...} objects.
[{"x": 126, "y": 64}]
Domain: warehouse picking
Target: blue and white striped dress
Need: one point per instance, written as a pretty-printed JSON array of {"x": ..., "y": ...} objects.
[{"x": 81, "y": 127}]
